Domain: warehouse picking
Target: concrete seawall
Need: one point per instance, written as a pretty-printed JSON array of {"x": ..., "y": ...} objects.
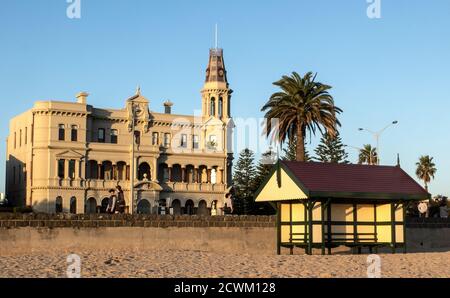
[{"x": 223, "y": 240}]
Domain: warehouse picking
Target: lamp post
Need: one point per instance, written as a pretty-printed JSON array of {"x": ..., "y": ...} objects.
[
  {"x": 377, "y": 135},
  {"x": 134, "y": 112}
]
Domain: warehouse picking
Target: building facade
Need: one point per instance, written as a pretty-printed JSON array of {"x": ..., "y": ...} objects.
[{"x": 65, "y": 156}]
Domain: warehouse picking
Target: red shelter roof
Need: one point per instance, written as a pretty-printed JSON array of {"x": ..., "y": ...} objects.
[{"x": 354, "y": 181}]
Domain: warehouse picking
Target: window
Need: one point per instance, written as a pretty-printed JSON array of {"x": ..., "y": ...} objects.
[
  {"x": 114, "y": 136},
  {"x": 61, "y": 132},
  {"x": 212, "y": 108},
  {"x": 20, "y": 170},
  {"x": 20, "y": 138},
  {"x": 74, "y": 133},
  {"x": 72, "y": 169},
  {"x": 137, "y": 137},
  {"x": 15, "y": 140},
  {"x": 61, "y": 168},
  {"x": 195, "y": 141},
  {"x": 166, "y": 140},
  {"x": 155, "y": 139},
  {"x": 26, "y": 135},
  {"x": 101, "y": 135},
  {"x": 220, "y": 107},
  {"x": 14, "y": 175},
  {"x": 183, "y": 142}
]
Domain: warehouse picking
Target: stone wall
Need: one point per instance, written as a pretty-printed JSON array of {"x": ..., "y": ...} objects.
[
  {"x": 221, "y": 234},
  {"x": 156, "y": 221}
]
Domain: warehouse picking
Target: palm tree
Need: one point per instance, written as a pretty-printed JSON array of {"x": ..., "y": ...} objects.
[
  {"x": 368, "y": 155},
  {"x": 303, "y": 105},
  {"x": 426, "y": 169}
]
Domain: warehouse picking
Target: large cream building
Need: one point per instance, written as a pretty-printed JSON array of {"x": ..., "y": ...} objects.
[{"x": 65, "y": 156}]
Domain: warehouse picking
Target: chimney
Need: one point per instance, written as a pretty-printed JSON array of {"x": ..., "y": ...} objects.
[
  {"x": 81, "y": 97},
  {"x": 168, "y": 107}
]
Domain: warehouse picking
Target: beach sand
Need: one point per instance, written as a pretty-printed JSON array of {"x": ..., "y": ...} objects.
[{"x": 191, "y": 263}]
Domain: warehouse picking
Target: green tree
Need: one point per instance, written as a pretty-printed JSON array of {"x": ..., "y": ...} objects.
[
  {"x": 290, "y": 152},
  {"x": 368, "y": 155},
  {"x": 303, "y": 105},
  {"x": 426, "y": 169},
  {"x": 243, "y": 182},
  {"x": 331, "y": 150}
]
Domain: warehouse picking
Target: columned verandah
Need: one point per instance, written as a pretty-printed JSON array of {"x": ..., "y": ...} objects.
[{"x": 190, "y": 173}]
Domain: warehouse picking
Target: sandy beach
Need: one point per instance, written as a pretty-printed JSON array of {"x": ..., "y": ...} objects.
[{"x": 192, "y": 263}]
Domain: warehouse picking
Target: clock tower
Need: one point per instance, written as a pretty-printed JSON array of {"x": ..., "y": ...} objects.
[{"x": 216, "y": 94}]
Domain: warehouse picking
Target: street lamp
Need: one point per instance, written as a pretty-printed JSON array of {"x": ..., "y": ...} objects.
[
  {"x": 377, "y": 135},
  {"x": 134, "y": 111}
]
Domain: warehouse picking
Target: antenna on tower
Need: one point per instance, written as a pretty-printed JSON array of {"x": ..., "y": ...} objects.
[{"x": 216, "y": 38}]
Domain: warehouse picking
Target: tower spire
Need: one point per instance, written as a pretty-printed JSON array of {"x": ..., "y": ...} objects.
[{"x": 216, "y": 43}]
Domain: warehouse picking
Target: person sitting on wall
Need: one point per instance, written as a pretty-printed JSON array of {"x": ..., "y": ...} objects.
[
  {"x": 112, "y": 202},
  {"x": 120, "y": 200}
]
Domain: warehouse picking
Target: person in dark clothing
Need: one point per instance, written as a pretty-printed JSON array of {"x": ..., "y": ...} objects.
[
  {"x": 112, "y": 202},
  {"x": 120, "y": 200}
]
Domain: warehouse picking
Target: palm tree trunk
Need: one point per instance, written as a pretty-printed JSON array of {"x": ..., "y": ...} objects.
[{"x": 300, "y": 152}]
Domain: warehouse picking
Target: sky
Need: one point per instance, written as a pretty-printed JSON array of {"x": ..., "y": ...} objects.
[{"x": 395, "y": 67}]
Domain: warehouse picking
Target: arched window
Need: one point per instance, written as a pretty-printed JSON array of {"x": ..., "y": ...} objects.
[
  {"x": 212, "y": 108},
  {"x": 220, "y": 107},
  {"x": 73, "y": 205},
  {"x": 58, "y": 205},
  {"x": 144, "y": 171}
]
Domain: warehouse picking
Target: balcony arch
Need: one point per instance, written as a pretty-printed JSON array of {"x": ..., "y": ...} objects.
[
  {"x": 143, "y": 207},
  {"x": 90, "y": 206},
  {"x": 189, "y": 207},
  {"x": 73, "y": 205},
  {"x": 176, "y": 207},
  {"x": 203, "y": 208}
]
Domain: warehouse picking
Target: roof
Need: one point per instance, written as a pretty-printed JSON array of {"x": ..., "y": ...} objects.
[{"x": 354, "y": 181}]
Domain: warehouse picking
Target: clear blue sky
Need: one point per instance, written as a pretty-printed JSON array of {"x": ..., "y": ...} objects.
[{"x": 393, "y": 68}]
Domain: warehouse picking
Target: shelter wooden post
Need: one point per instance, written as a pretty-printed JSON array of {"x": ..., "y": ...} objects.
[
  {"x": 278, "y": 228},
  {"x": 329, "y": 227},
  {"x": 393, "y": 244},
  {"x": 310, "y": 226},
  {"x": 322, "y": 210},
  {"x": 405, "y": 206}
]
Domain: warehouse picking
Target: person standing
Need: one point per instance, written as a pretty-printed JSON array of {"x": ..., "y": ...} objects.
[
  {"x": 112, "y": 202},
  {"x": 120, "y": 200}
]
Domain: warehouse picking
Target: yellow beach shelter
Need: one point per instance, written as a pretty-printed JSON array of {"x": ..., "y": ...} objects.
[{"x": 324, "y": 205}]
